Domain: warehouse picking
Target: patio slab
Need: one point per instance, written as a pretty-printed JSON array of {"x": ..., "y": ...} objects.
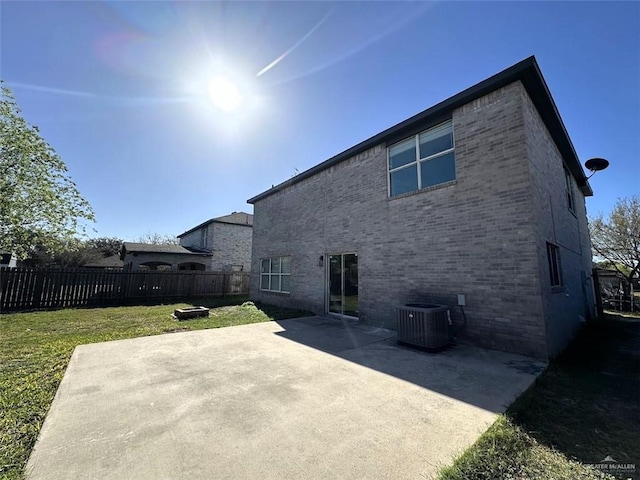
[{"x": 306, "y": 398}]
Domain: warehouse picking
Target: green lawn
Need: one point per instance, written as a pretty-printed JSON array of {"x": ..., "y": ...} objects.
[
  {"x": 35, "y": 349},
  {"x": 584, "y": 407}
]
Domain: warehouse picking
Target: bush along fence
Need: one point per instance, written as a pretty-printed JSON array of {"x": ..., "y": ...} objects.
[{"x": 29, "y": 289}]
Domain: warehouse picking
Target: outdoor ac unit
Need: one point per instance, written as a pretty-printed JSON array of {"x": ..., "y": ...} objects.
[{"x": 424, "y": 325}]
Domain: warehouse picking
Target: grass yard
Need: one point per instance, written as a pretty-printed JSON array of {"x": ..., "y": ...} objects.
[
  {"x": 35, "y": 349},
  {"x": 583, "y": 408},
  {"x": 623, "y": 315}
]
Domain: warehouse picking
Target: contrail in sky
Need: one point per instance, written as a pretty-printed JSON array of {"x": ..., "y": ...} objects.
[
  {"x": 77, "y": 93},
  {"x": 59, "y": 91},
  {"x": 296, "y": 45}
]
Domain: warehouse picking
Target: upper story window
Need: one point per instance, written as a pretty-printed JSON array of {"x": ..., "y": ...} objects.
[
  {"x": 422, "y": 161},
  {"x": 204, "y": 233},
  {"x": 569, "y": 187}
]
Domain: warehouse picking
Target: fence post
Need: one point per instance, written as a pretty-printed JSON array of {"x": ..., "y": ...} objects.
[
  {"x": 4, "y": 281},
  {"x": 124, "y": 286},
  {"x": 597, "y": 292},
  {"x": 37, "y": 291},
  {"x": 192, "y": 279}
]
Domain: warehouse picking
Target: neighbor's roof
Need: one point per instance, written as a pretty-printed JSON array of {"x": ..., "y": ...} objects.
[
  {"x": 527, "y": 71},
  {"x": 132, "y": 247},
  {"x": 235, "y": 218},
  {"x": 113, "y": 261}
]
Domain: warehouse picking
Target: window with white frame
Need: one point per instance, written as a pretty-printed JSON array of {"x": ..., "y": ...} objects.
[
  {"x": 275, "y": 274},
  {"x": 569, "y": 186},
  {"x": 555, "y": 269},
  {"x": 424, "y": 160}
]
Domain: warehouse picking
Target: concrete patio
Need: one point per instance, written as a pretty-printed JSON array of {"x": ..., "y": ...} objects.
[{"x": 306, "y": 398}]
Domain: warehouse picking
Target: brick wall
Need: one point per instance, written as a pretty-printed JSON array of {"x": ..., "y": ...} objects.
[
  {"x": 230, "y": 245},
  {"x": 476, "y": 236},
  {"x": 567, "y": 307}
]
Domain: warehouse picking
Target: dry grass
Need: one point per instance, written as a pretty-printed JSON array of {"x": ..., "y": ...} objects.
[{"x": 584, "y": 407}]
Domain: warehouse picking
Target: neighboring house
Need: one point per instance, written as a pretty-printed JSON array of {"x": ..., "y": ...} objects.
[
  {"x": 136, "y": 256},
  {"x": 227, "y": 238},
  {"x": 611, "y": 281},
  {"x": 615, "y": 289},
  {"x": 8, "y": 259},
  {"x": 481, "y": 195}
]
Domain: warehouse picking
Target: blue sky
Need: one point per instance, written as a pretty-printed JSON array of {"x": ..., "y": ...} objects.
[{"x": 120, "y": 89}]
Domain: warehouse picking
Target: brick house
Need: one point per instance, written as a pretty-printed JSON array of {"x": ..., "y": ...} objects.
[
  {"x": 481, "y": 195},
  {"x": 227, "y": 239}
]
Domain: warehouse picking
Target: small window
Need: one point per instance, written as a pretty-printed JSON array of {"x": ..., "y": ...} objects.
[
  {"x": 275, "y": 274},
  {"x": 424, "y": 160},
  {"x": 204, "y": 234},
  {"x": 569, "y": 187},
  {"x": 555, "y": 269}
]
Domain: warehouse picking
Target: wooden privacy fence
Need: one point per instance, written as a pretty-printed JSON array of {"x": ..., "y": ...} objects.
[{"x": 29, "y": 289}]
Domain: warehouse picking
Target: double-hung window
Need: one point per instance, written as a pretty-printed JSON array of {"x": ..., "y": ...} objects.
[
  {"x": 275, "y": 274},
  {"x": 569, "y": 186},
  {"x": 424, "y": 160},
  {"x": 204, "y": 233},
  {"x": 555, "y": 269}
]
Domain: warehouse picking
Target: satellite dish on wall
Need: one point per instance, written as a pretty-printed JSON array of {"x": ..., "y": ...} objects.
[{"x": 595, "y": 165}]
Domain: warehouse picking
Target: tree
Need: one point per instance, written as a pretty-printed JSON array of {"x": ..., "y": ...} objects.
[
  {"x": 107, "y": 246},
  {"x": 616, "y": 238},
  {"x": 39, "y": 204},
  {"x": 158, "y": 239},
  {"x": 71, "y": 252},
  {"x": 75, "y": 253},
  {"x": 62, "y": 253}
]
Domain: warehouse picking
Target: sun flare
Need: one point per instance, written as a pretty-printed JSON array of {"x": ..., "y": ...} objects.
[{"x": 225, "y": 94}]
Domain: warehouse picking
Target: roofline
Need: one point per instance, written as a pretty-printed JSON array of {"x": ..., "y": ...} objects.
[
  {"x": 527, "y": 71},
  {"x": 213, "y": 220},
  {"x": 124, "y": 249}
]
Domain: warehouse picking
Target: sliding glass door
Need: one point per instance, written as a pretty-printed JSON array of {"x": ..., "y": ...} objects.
[{"x": 343, "y": 284}]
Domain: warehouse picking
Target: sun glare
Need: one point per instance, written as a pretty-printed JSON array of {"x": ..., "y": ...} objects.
[{"x": 225, "y": 94}]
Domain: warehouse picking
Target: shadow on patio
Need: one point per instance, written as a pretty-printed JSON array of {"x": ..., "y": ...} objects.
[{"x": 487, "y": 379}]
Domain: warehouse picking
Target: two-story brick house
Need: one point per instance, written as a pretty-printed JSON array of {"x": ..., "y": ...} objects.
[
  {"x": 227, "y": 239},
  {"x": 481, "y": 195}
]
